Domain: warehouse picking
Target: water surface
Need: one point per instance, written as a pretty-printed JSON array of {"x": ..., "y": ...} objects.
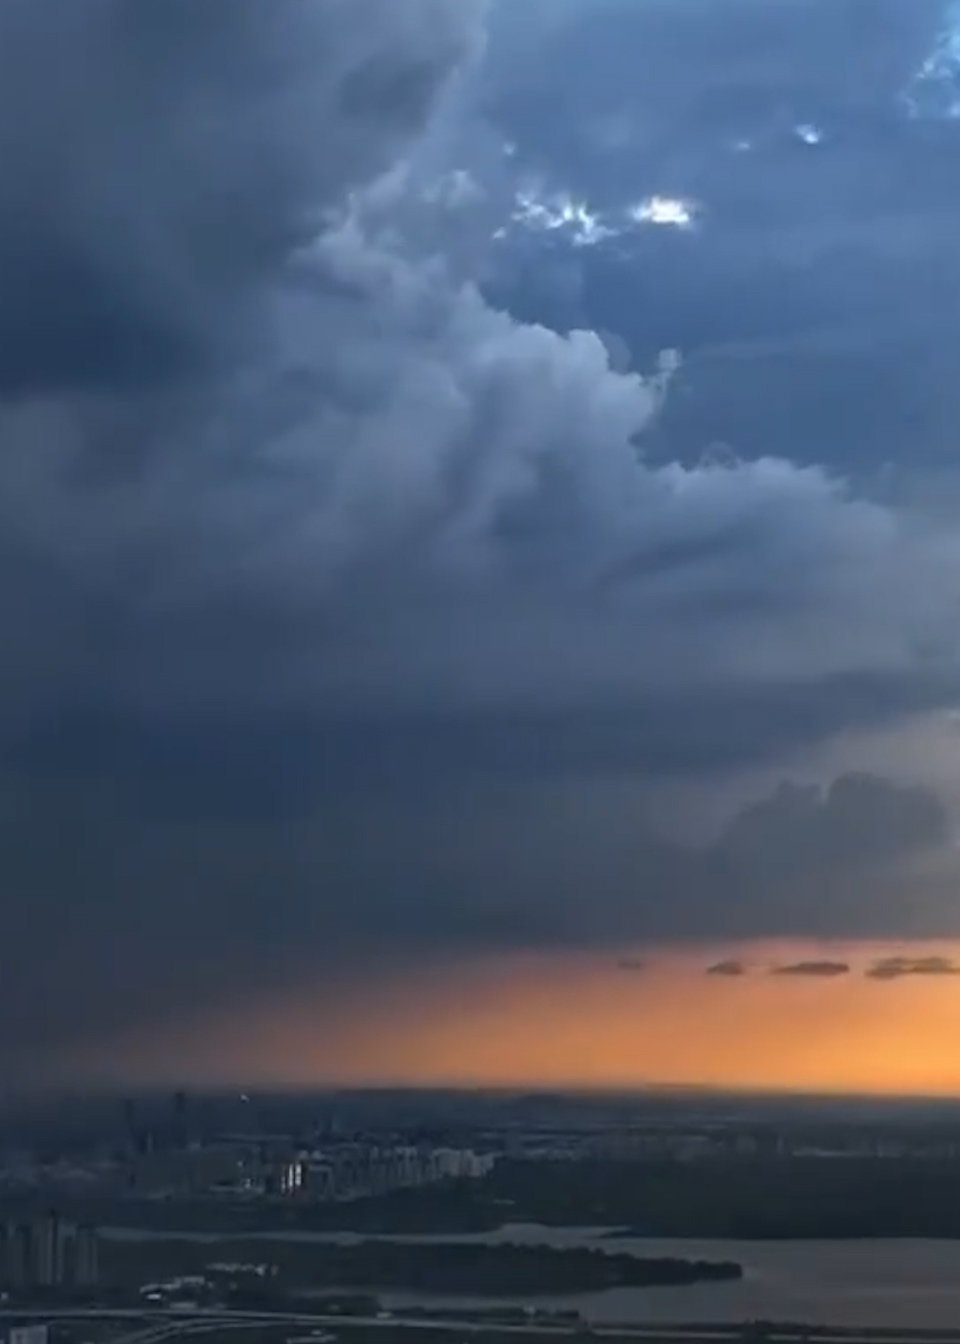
[{"x": 894, "y": 1283}]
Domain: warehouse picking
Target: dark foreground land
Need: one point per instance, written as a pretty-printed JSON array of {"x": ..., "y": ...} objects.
[
  {"x": 412, "y": 1332},
  {"x": 724, "y": 1198},
  {"x": 454, "y": 1268}
]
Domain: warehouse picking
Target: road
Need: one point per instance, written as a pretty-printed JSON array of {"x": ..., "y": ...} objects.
[{"x": 160, "y": 1325}]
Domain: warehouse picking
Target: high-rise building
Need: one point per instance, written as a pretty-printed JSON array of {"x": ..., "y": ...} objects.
[
  {"x": 49, "y": 1253},
  {"x": 291, "y": 1178},
  {"x": 51, "y": 1250},
  {"x": 180, "y": 1126},
  {"x": 86, "y": 1257},
  {"x": 35, "y": 1333},
  {"x": 130, "y": 1127},
  {"x": 138, "y": 1138},
  {"x": 17, "y": 1254}
]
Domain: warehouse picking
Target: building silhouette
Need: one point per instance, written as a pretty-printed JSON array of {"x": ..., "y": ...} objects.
[
  {"x": 181, "y": 1127},
  {"x": 15, "y": 1255},
  {"x": 49, "y": 1253},
  {"x": 86, "y": 1257}
]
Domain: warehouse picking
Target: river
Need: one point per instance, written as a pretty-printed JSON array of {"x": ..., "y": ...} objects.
[{"x": 894, "y": 1283}]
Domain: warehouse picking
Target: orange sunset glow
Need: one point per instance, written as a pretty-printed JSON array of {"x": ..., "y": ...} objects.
[{"x": 593, "y": 1021}]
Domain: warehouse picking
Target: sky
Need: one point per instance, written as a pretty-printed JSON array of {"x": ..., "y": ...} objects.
[{"x": 479, "y": 560}]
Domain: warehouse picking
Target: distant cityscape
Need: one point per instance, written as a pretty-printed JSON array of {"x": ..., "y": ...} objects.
[
  {"x": 167, "y": 1151},
  {"x": 168, "y": 1156},
  {"x": 209, "y": 1204},
  {"x": 324, "y": 1166}
]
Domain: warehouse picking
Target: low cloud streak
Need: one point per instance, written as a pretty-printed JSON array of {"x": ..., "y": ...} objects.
[
  {"x": 899, "y": 967},
  {"x": 814, "y": 970}
]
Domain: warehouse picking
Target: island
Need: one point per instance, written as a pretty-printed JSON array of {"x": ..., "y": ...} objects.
[
  {"x": 446, "y": 1268},
  {"x": 502, "y": 1269}
]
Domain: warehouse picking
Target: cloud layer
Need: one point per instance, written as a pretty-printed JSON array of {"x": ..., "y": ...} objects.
[
  {"x": 172, "y": 164},
  {"x": 288, "y": 504},
  {"x": 416, "y": 502},
  {"x": 135, "y": 899},
  {"x": 895, "y": 968}
]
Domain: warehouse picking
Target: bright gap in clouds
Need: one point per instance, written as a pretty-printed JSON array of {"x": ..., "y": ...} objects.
[
  {"x": 586, "y": 227},
  {"x": 664, "y": 210}
]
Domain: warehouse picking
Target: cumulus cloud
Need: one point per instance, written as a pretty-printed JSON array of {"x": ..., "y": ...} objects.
[
  {"x": 398, "y": 498},
  {"x": 858, "y": 820},
  {"x": 896, "y": 968}
]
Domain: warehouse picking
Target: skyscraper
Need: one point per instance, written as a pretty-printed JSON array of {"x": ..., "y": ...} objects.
[
  {"x": 86, "y": 1257},
  {"x": 137, "y": 1138},
  {"x": 51, "y": 1246},
  {"x": 17, "y": 1255},
  {"x": 181, "y": 1132},
  {"x": 49, "y": 1253}
]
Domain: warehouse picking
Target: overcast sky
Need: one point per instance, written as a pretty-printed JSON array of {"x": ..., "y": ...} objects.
[{"x": 373, "y": 590}]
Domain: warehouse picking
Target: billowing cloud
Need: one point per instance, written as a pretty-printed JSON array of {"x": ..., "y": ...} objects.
[
  {"x": 399, "y": 501},
  {"x": 173, "y": 164},
  {"x": 896, "y": 968},
  {"x": 415, "y": 502},
  {"x": 858, "y": 821}
]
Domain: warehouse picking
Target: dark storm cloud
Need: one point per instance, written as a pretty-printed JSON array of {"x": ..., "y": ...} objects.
[
  {"x": 126, "y": 914},
  {"x": 815, "y": 970},
  {"x": 402, "y": 500},
  {"x": 662, "y": 83},
  {"x": 276, "y": 760},
  {"x": 170, "y": 165},
  {"x": 896, "y": 968},
  {"x": 380, "y": 551}
]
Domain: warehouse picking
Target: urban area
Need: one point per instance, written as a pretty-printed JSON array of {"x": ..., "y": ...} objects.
[{"x": 402, "y": 1218}]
